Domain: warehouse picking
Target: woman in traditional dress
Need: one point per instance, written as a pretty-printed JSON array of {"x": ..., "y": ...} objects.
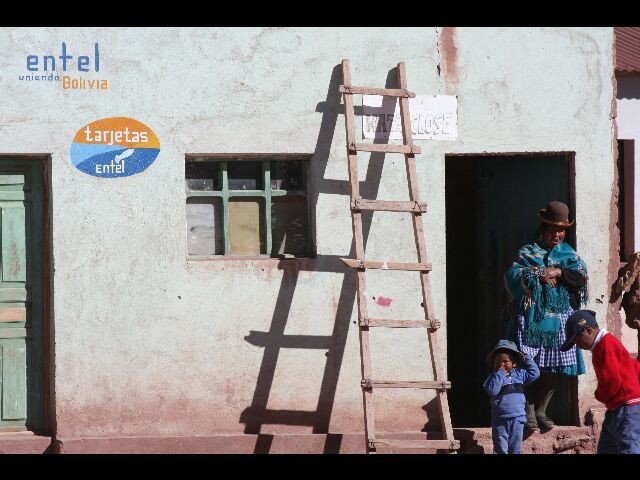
[{"x": 546, "y": 283}]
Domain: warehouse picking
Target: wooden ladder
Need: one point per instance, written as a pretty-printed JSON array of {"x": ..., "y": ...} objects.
[{"x": 416, "y": 209}]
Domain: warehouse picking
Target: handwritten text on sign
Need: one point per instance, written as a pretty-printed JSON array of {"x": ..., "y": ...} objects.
[{"x": 432, "y": 117}]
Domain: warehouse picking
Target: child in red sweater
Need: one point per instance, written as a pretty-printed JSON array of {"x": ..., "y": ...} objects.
[{"x": 618, "y": 377}]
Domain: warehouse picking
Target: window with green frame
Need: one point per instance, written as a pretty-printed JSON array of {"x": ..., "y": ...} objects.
[{"x": 239, "y": 206}]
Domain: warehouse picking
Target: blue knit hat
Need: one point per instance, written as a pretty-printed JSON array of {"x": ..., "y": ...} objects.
[{"x": 506, "y": 345}]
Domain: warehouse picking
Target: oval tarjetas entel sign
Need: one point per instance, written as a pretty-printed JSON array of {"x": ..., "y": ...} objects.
[{"x": 114, "y": 147}]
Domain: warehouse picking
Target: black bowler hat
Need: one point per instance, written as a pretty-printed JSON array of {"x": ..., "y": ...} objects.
[
  {"x": 556, "y": 213},
  {"x": 576, "y": 323}
]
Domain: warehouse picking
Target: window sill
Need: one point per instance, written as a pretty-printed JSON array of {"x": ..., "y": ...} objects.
[
  {"x": 257, "y": 263},
  {"x": 249, "y": 258}
]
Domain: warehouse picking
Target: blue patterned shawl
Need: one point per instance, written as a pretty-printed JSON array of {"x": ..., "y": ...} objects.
[{"x": 539, "y": 303}]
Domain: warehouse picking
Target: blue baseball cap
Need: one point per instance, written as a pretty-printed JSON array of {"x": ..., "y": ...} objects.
[
  {"x": 506, "y": 345},
  {"x": 576, "y": 323}
]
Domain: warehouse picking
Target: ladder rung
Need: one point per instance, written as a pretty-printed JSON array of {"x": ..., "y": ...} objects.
[
  {"x": 384, "y": 147},
  {"x": 364, "y": 264},
  {"x": 435, "y": 385},
  {"x": 388, "y": 206},
  {"x": 422, "y": 444},
  {"x": 389, "y": 92},
  {"x": 376, "y": 322}
]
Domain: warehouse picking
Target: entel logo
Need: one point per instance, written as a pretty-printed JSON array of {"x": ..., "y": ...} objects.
[
  {"x": 114, "y": 147},
  {"x": 50, "y": 65}
]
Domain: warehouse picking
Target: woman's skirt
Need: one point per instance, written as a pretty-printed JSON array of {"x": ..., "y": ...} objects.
[{"x": 551, "y": 359}]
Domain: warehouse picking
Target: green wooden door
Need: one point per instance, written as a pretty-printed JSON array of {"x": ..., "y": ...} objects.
[{"x": 21, "y": 261}]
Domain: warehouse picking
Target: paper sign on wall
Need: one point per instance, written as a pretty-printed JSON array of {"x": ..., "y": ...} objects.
[{"x": 433, "y": 117}]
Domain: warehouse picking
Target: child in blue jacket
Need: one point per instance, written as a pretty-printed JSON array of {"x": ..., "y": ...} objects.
[{"x": 506, "y": 388}]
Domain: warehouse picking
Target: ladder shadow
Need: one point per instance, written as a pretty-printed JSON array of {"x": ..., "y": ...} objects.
[{"x": 257, "y": 414}]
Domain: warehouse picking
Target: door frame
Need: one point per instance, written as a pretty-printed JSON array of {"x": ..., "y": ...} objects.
[
  {"x": 573, "y": 237},
  {"x": 48, "y": 384}
]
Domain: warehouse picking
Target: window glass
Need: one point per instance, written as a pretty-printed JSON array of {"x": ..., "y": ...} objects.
[
  {"x": 289, "y": 226},
  {"x": 245, "y": 175},
  {"x": 287, "y": 175},
  {"x": 202, "y": 176},
  {"x": 246, "y": 226},
  {"x": 204, "y": 226}
]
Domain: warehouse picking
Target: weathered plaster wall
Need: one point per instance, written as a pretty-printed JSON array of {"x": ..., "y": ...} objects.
[
  {"x": 148, "y": 343},
  {"x": 545, "y": 89}
]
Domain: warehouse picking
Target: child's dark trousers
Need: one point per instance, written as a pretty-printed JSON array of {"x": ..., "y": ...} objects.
[{"x": 621, "y": 430}]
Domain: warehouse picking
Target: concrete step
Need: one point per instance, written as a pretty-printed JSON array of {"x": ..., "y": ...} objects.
[{"x": 24, "y": 442}]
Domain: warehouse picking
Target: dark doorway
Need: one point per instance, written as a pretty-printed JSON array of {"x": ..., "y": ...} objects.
[
  {"x": 626, "y": 194},
  {"x": 492, "y": 205}
]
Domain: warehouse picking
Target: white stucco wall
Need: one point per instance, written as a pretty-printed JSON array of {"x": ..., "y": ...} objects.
[
  {"x": 628, "y": 122},
  {"x": 147, "y": 342}
]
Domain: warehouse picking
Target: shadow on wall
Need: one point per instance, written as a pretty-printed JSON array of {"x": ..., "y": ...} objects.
[
  {"x": 257, "y": 414},
  {"x": 432, "y": 411}
]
